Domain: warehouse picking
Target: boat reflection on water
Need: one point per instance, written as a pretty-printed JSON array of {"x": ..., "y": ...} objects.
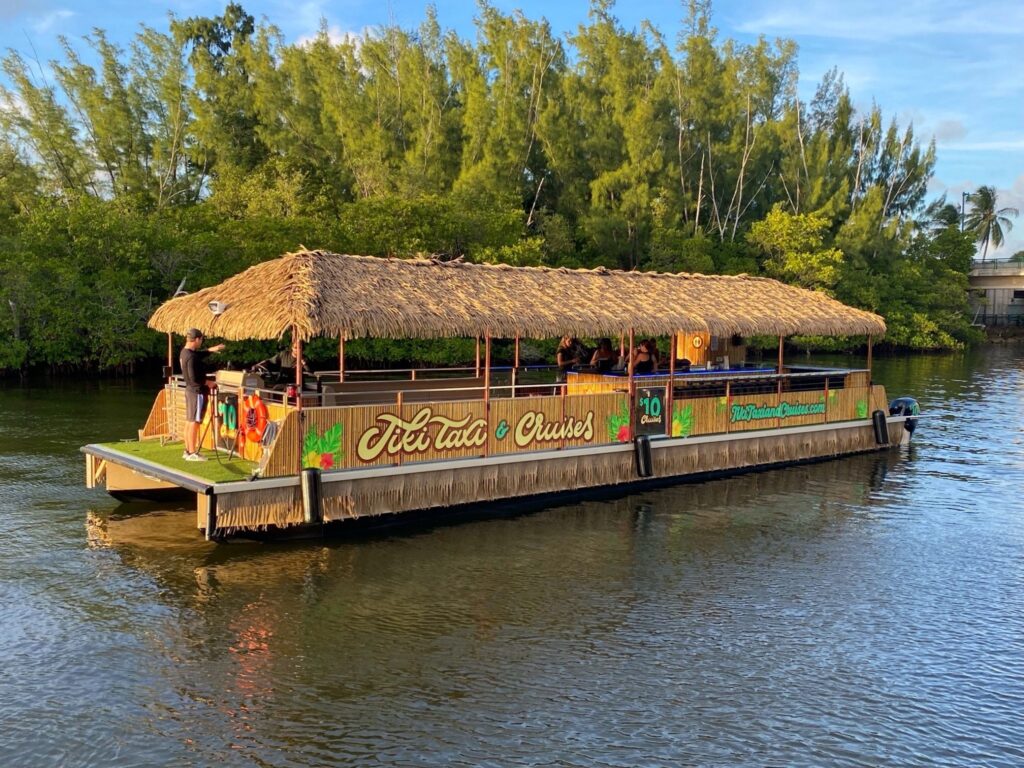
[
  {"x": 246, "y": 631},
  {"x": 805, "y": 498}
]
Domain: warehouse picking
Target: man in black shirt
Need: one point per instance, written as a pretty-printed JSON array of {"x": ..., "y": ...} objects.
[{"x": 193, "y": 371}]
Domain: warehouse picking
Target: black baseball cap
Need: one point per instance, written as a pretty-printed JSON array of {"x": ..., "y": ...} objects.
[{"x": 194, "y": 333}]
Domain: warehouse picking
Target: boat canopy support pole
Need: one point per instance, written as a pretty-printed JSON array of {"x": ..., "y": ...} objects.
[
  {"x": 671, "y": 383},
  {"x": 487, "y": 369},
  {"x": 515, "y": 367},
  {"x": 341, "y": 358},
  {"x": 478, "y": 357},
  {"x": 297, "y": 342},
  {"x": 632, "y": 389},
  {"x": 870, "y": 340},
  {"x": 780, "y": 353}
]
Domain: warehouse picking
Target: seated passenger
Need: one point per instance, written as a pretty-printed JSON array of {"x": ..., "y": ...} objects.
[
  {"x": 569, "y": 355},
  {"x": 684, "y": 366},
  {"x": 643, "y": 359},
  {"x": 604, "y": 358},
  {"x": 652, "y": 347}
]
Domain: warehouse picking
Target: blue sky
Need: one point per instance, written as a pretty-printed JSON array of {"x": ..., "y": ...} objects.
[{"x": 954, "y": 69}]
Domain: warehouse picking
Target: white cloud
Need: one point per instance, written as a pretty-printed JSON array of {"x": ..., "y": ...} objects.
[{"x": 50, "y": 20}]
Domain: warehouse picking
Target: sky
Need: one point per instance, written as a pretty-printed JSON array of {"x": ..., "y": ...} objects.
[{"x": 955, "y": 70}]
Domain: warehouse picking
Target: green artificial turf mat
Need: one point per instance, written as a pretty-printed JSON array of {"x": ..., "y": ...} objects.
[{"x": 169, "y": 456}]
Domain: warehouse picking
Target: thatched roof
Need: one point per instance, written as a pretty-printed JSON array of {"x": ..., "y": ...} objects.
[{"x": 326, "y": 294}]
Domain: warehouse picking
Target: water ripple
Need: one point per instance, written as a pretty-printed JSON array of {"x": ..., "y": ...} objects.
[{"x": 860, "y": 612}]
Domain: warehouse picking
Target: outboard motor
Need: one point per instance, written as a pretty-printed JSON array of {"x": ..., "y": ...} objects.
[{"x": 906, "y": 406}]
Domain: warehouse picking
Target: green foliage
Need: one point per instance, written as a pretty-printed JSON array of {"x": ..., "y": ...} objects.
[
  {"x": 196, "y": 151},
  {"x": 794, "y": 248}
]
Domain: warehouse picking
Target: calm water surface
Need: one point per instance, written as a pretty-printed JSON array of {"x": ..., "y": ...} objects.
[{"x": 861, "y": 612}]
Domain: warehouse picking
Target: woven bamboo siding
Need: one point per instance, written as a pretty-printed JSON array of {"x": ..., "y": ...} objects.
[
  {"x": 804, "y": 399},
  {"x": 174, "y": 401},
  {"x": 755, "y": 401},
  {"x": 552, "y": 422},
  {"x": 600, "y": 411},
  {"x": 699, "y": 416},
  {"x": 858, "y": 379},
  {"x": 156, "y": 423},
  {"x": 849, "y": 404},
  {"x": 878, "y": 399},
  {"x": 463, "y": 432},
  {"x": 693, "y": 347},
  {"x": 510, "y": 412},
  {"x": 587, "y": 383},
  {"x": 284, "y": 454}
]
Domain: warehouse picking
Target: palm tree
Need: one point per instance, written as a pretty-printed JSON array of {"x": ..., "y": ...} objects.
[
  {"x": 985, "y": 221},
  {"x": 939, "y": 216}
]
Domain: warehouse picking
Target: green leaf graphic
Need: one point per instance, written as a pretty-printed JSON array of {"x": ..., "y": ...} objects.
[{"x": 682, "y": 421}]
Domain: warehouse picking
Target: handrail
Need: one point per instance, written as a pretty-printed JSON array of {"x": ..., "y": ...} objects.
[
  {"x": 1009, "y": 260},
  {"x": 425, "y": 372},
  {"x": 612, "y": 384}
]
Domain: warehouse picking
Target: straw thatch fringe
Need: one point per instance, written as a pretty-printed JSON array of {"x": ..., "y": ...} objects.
[
  {"x": 325, "y": 294},
  {"x": 257, "y": 508},
  {"x": 426, "y": 490}
]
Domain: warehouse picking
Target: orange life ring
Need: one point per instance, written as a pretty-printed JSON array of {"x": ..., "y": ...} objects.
[{"x": 254, "y": 421}]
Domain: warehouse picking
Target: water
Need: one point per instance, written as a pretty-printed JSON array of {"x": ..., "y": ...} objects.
[{"x": 861, "y": 612}]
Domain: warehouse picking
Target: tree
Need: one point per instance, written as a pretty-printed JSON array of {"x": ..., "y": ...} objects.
[
  {"x": 939, "y": 216},
  {"x": 794, "y": 245},
  {"x": 985, "y": 221}
]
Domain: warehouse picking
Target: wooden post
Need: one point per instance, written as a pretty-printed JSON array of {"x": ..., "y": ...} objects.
[
  {"x": 671, "y": 384},
  {"x": 728, "y": 404},
  {"x": 487, "y": 370},
  {"x": 778, "y": 422},
  {"x": 341, "y": 359},
  {"x": 478, "y": 357},
  {"x": 515, "y": 367},
  {"x": 170, "y": 354},
  {"x": 622, "y": 345},
  {"x": 297, "y": 350},
  {"x": 487, "y": 384},
  {"x": 631, "y": 392},
  {"x": 399, "y": 402},
  {"x": 870, "y": 339}
]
